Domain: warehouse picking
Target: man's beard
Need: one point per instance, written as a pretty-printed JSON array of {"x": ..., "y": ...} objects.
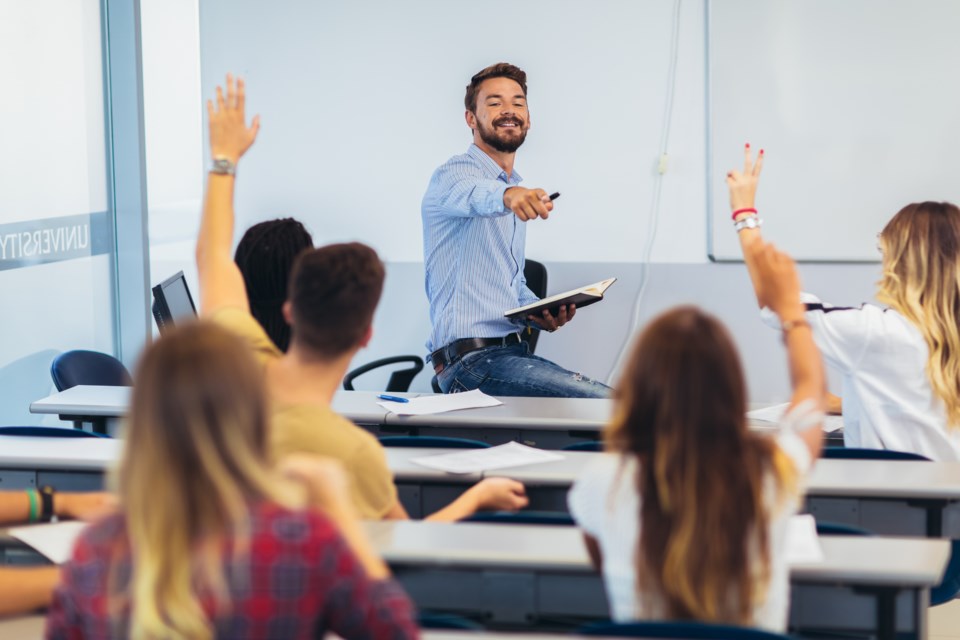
[{"x": 504, "y": 143}]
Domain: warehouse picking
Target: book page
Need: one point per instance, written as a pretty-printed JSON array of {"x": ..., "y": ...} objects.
[
  {"x": 54, "y": 541},
  {"x": 774, "y": 414},
  {"x": 512, "y": 454},
  {"x": 427, "y": 405}
]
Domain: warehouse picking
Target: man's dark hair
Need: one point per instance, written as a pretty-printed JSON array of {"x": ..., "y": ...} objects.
[
  {"x": 334, "y": 291},
  {"x": 265, "y": 256},
  {"x": 499, "y": 70}
]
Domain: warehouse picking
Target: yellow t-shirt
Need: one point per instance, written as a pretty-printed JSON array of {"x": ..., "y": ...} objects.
[{"x": 318, "y": 430}]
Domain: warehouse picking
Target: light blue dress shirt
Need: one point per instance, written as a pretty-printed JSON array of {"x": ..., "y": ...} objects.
[{"x": 473, "y": 250}]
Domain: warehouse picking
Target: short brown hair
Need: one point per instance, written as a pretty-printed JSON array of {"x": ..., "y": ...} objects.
[
  {"x": 499, "y": 70},
  {"x": 334, "y": 291}
]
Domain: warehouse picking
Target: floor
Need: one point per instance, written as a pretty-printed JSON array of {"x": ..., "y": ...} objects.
[{"x": 944, "y": 621}]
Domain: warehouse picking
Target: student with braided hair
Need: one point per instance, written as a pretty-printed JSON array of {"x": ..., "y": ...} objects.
[{"x": 265, "y": 257}]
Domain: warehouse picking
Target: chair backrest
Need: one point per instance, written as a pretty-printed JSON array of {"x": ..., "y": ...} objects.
[
  {"x": 684, "y": 630},
  {"x": 88, "y": 367},
  {"x": 535, "y": 274},
  {"x": 846, "y": 453},
  {"x": 399, "y": 380},
  {"x": 838, "y": 529},
  {"x": 432, "y": 441},
  {"x": 588, "y": 445},
  {"x": 49, "y": 432},
  {"x": 553, "y": 518}
]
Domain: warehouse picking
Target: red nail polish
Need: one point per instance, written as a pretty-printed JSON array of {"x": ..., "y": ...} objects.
[
  {"x": 761, "y": 151},
  {"x": 747, "y": 146}
]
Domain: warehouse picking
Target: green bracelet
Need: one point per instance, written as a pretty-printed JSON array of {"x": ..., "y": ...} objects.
[{"x": 34, "y": 499}]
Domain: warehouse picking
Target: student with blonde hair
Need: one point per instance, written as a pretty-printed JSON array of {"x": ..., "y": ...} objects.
[
  {"x": 688, "y": 518},
  {"x": 210, "y": 541},
  {"x": 900, "y": 364}
]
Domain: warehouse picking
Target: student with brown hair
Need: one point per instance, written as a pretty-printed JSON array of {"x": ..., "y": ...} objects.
[
  {"x": 688, "y": 519},
  {"x": 333, "y": 293},
  {"x": 211, "y": 540}
]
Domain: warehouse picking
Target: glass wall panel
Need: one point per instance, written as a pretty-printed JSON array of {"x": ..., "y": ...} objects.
[{"x": 56, "y": 236}]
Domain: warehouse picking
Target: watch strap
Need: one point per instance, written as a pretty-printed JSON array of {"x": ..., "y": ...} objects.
[
  {"x": 46, "y": 503},
  {"x": 223, "y": 167}
]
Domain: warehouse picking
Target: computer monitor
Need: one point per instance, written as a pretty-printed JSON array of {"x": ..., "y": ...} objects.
[{"x": 172, "y": 301}]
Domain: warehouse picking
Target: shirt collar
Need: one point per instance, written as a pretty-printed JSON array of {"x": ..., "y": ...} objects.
[{"x": 490, "y": 165}]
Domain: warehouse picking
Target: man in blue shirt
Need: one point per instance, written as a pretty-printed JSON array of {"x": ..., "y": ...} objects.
[{"x": 473, "y": 242}]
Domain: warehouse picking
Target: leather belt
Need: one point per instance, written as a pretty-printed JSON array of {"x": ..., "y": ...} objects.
[{"x": 445, "y": 356}]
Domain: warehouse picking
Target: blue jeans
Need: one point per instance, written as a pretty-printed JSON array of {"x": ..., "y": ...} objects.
[{"x": 513, "y": 371}]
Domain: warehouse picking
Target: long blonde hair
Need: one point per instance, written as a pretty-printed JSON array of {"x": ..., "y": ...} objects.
[
  {"x": 194, "y": 460},
  {"x": 921, "y": 280},
  {"x": 703, "y": 552}
]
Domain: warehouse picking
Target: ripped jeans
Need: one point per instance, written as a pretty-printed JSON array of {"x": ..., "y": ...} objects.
[{"x": 513, "y": 371}]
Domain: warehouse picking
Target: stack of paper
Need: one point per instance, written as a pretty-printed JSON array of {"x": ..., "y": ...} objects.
[
  {"x": 427, "y": 405},
  {"x": 803, "y": 544},
  {"x": 54, "y": 541},
  {"x": 512, "y": 454},
  {"x": 774, "y": 414}
]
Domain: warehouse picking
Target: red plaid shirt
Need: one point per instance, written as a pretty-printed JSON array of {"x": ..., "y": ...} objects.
[{"x": 299, "y": 580}]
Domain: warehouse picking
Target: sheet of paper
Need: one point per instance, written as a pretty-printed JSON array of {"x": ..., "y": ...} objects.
[
  {"x": 512, "y": 454},
  {"x": 774, "y": 414},
  {"x": 803, "y": 544},
  {"x": 427, "y": 405},
  {"x": 54, "y": 541}
]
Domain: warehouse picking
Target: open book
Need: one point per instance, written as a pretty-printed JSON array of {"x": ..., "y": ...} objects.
[{"x": 581, "y": 297}]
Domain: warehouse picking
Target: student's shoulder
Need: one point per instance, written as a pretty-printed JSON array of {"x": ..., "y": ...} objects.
[{"x": 107, "y": 532}]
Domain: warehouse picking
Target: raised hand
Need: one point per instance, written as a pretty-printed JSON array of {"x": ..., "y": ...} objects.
[
  {"x": 776, "y": 280},
  {"x": 743, "y": 185},
  {"x": 230, "y": 137}
]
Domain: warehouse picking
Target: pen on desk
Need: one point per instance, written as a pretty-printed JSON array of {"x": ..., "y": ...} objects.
[
  {"x": 384, "y": 396},
  {"x": 554, "y": 196}
]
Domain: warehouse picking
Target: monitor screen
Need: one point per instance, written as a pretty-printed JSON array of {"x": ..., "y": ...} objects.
[{"x": 172, "y": 301}]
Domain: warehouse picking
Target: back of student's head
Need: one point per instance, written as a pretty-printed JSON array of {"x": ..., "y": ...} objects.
[
  {"x": 334, "y": 291},
  {"x": 194, "y": 459},
  {"x": 681, "y": 405},
  {"x": 921, "y": 280},
  {"x": 265, "y": 256}
]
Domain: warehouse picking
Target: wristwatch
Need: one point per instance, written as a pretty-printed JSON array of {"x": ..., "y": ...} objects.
[
  {"x": 750, "y": 222},
  {"x": 223, "y": 167},
  {"x": 46, "y": 503}
]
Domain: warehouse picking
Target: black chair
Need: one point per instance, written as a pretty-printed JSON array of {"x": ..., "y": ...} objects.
[
  {"x": 846, "y": 453},
  {"x": 437, "y": 442},
  {"x": 49, "y": 432},
  {"x": 588, "y": 445},
  {"x": 535, "y": 274},
  {"x": 77, "y": 367},
  {"x": 80, "y": 367},
  {"x": 399, "y": 380},
  {"x": 679, "y": 630},
  {"x": 552, "y": 518}
]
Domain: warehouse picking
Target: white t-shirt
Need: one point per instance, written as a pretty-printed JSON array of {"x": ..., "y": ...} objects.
[
  {"x": 888, "y": 402},
  {"x": 605, "y": 504}
]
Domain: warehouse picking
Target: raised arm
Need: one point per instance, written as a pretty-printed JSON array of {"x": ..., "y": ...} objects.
[
  {"x": 743, "y": 192},
  {"x": 221, "y": 284},
  {"x": 775, "y": 275}
]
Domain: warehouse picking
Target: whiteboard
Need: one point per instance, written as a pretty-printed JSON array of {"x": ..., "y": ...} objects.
[
  {"x": 857, "y": 104},
  {"x": 361, "y": 100}
]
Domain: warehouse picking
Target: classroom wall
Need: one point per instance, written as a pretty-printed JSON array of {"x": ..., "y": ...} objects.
[{"x": 680, "y": 271}]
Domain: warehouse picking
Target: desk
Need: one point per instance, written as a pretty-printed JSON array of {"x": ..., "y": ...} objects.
[
  {"x": 517, "y": 576},
  {"x": 23, "y": 628},
  {"x": 544, "y": 422},
  {"x": 531, "y": 576},
  {"x": 889, "y": 497}
]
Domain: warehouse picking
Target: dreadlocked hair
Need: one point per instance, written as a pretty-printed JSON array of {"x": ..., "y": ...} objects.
[{"x": 265, "y": 256}]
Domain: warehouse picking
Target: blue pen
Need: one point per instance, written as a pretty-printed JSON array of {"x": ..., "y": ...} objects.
[{"x": 384, "y": 396}]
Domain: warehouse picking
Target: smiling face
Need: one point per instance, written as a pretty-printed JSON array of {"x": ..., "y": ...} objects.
[{"x": 501, "y": 119}]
